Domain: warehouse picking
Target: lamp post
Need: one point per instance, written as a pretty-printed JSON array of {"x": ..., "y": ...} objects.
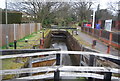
[{"x": 93, "y": 21}]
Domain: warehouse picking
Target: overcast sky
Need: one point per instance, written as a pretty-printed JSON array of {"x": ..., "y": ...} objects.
[{"x": 103, "y": 3}]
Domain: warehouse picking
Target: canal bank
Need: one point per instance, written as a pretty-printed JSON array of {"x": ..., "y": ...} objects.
[{"x": 64, "y": 40}]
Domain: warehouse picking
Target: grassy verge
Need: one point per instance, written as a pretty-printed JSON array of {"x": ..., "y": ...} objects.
[
  {"x": 27, "y": 45},
  {"x": 12, "y": 63}
]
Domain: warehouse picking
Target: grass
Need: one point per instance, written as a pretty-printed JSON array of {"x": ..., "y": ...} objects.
[
  {"x": 28, "y": 45},
  {"x": 82, "y": 79},
  {"x": 11, "y": 63}
]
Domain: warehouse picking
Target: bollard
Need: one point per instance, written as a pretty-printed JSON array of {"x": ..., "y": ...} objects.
[
  {"x": 108, "y": 49},
  {"x": 15, "y": 44},
  {"x": 33, "y": 47},
  {"x": 93, "y": 44},
  {"x": 107, "y": 76},
  {"x": 91, "y": 63},
  {"x": 26, "y": 40}
]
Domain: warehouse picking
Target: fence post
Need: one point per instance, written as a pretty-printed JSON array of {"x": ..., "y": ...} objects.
[
  {"x": 91, "y": 63},
  {"x": 107, "y": 76},
  {"x": 57, "y": 72},
  {"x": 15, "y": 44},
  {"x": 110, "y": 40}
]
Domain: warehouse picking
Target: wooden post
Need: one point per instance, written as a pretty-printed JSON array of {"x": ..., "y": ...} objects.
[
  {"x": 110, "y": 40},
  {"x": 91, "y": 60},
  {"x": 91, "y": 63},
  {"x": 57, "y": 59},
  {"x": 30, "y": 64},
  {"x": 41, "y": 43},
  {"x": 57, "y": 73},
  {"x": 107, "y": 76},
  {"x": 80, "y": 60}
]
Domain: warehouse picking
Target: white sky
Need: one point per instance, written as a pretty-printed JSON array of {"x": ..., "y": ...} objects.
[{"x": 103, "y": 3}]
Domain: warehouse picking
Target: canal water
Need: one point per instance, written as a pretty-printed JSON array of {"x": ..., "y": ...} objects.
[
  {"x": 66, "y": 59},
  {"x": 61, "y": 43}
]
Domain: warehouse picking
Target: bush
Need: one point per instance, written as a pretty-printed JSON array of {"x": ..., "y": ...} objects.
[{"x": 13, "y": 17}]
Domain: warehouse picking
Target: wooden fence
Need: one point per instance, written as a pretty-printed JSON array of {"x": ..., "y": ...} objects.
[
  {"x": 111, "y": 38},
  {"x": 16, "y": 31}
]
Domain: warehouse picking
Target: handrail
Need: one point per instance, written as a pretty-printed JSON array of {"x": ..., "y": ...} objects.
[
  {"x": 61, "y": 52},
  {"x": 107, "y": 71},
  {"x": 21, "y": 51},
  {"x": 67, "y": 74},
  {"x": 60, "y": 68}
]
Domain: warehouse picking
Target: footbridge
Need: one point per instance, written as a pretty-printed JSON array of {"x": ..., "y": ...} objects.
[{"x": 59, "y": 71}]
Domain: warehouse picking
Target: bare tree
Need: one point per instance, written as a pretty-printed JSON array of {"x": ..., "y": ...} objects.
[
  {"x": 40, "y": 10},
  {"x": 83, "y": 9},
  {"x": 60, "y": 12},
  {"x": 115, "y": 8}
]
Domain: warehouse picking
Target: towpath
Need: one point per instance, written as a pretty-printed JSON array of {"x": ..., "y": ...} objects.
[{"x": 100, "y": 46}]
